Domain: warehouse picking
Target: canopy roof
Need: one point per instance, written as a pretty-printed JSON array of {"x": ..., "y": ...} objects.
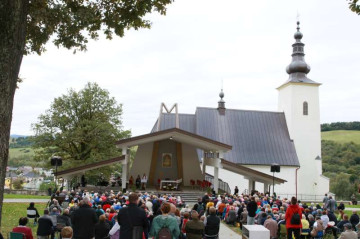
[
  {"x": 87, "y": 167},
  {"x": 176, "y": 135}
]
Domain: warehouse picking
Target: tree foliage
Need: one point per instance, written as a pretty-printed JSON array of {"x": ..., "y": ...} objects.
[
  {"x": 341, "y": 163},
  {"x": 27, "y": 25},
  {"x": 354, "y": 6},
  {"x": 341, "y": 126},
  {"x": 73, "y": 22},
  {"x": 80, "y": 126}
]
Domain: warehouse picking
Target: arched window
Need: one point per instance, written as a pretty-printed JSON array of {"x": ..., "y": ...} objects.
[{"x": 305, "y": 108}]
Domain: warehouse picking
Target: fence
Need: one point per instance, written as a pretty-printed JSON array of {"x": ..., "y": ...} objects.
[{"x": 222, "y": 185}]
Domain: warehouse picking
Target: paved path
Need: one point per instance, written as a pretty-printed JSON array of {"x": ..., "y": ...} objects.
[
  {"x": 25, "y": 200},
  {"x": 227, "y": 233}
]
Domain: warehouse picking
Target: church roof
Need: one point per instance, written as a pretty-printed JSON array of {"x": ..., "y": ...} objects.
[
  {"x": 257, "y": 137},
  {"x": 298, "y": 68}
]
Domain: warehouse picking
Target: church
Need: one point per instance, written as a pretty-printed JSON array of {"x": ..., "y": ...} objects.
[
  {"x": 240, "y": 146},
  {"x": 266, "y": 151}
]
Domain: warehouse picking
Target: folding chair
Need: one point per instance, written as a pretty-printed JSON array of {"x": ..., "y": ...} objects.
[
  {"x": 16, "y": 235},
  {"x": 31, "y": 214}
]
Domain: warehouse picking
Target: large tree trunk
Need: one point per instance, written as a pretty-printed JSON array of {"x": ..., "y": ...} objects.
[{"x": 12, "y": 43}]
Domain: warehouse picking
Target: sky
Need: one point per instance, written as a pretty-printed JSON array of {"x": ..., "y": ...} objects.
[{"x": 199, "y": 47}]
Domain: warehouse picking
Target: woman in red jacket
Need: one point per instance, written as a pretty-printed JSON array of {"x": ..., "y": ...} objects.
[
  {"x": 22, "y": 228},
  {"x": 293, "y": 219}
]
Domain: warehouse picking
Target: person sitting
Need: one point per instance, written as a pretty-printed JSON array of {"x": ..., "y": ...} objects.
[
  {"x": 22, "y": 228},
  {"x": 102, "y": 228},
  {"x": 354, "y": 219},
  {"x": 231, "y": 216},
  {"x": 115, "y": 230},
  {"x": 341, "y": 224},
  {"x": 305, "y": 230},
  {"x": 324, "y": 217},
  {"x": 63, "y": 220},
  {"x": 272, "y": 226},
  {"x": 348, "y": 233},
  {"x": 243, "y": 217},
  {"x": 138, "y": 182},
  {"x": 66, "y": 233},
  {"x": 194, "y": 228},
  {"x": 318, "y": 229},
  {"x": 32, "y": 212},
  {"x": 212, "y": 224}
]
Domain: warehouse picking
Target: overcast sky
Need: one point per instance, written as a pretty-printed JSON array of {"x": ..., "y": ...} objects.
[{"x": 198, "y": 44}]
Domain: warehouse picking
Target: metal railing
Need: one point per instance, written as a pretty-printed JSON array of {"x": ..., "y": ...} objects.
[
  {"x": 224, "y": 186},
  {"x": 305, "y": 197}
]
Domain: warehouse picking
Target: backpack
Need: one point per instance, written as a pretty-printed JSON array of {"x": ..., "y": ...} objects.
[
  {"x": 295, "y": 219},
  {"x": 200, "y": 208},
  {"x": 164, "y": 232}
]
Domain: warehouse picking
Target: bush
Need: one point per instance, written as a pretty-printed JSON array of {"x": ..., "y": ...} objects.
[
  {"x": 17, "y": 183},
  {"x": 45, "y": 185}
]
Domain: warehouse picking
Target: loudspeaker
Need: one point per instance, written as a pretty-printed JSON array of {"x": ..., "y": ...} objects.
[
  {"x": 275, "y": 168},
  {"x": 56, "y": 160}
]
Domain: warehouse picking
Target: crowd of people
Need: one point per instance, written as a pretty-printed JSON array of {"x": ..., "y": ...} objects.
[{"x": 84, "y": 215}]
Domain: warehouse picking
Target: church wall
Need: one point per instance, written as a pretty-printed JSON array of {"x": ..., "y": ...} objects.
[
  {"x": 191, "y": 165},
  {"x": 287, "y": 173},
  {"x": 305, "y": 131},
  {"x": 142, "y": 161},
  {"x": 166, "y": 147}
]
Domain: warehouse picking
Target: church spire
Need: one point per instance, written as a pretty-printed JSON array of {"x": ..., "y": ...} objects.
[
  {"x": 298, "y": 68},
  {"x": 221, "y": 103}
]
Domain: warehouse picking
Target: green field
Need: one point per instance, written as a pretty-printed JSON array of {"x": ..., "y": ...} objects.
[
  {"x": 13, "y": 211},
  {"x": 342, "y": 136},
  {"x": 17, "y": 152},
  {"x": 21, "y": 196}
]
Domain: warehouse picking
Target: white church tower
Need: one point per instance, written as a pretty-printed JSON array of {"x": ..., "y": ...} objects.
[{"x": 299, "y": 100}]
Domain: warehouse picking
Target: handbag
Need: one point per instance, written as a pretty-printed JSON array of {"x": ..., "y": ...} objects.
[{"x": 137, "y": 231}]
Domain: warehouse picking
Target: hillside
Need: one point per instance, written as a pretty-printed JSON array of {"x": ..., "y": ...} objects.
[{"x": 342, "y": 136}]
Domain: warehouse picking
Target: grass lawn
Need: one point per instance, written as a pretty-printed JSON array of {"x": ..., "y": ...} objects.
[
  {"x": 11, "y": 214},
  {"x": 352, "y": 206},
  {"x": 233, "y": 228},
  {"x": 17, "y": 152},
  {"x": 21, "y": 196},
  {"x": 342, "y": 136}
]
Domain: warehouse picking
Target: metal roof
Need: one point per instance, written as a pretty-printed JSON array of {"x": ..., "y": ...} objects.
[
  {"x": 257, "y": 137},
  {"x": 186, "y": 122}
]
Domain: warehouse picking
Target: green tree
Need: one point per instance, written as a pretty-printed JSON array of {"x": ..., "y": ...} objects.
[
  {"x": 80, "y": 126},
  {"x": 354, "y": 5},
  {"x": 342, "y": 187},
  {"x": 27, "y": 25}
]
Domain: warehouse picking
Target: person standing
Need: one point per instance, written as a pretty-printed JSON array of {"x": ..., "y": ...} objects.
[
  {"x": 83, "y": 220},
  {"x": 236, "y": 190},
  {"x": 331, "y": 204},
  {"x": 45, "y": 226},
  {"x": 165, "y": 224},
  {"x": 293, "y": 217},
  {"x": 325, "y": 200},
  {"x": 132, "y": 216},
  {"x": 251, "y": 207},
  {"x": 212, "y": 224}
]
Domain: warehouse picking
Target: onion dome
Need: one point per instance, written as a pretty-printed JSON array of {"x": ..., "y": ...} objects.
[{"x": 298, "y": 64}]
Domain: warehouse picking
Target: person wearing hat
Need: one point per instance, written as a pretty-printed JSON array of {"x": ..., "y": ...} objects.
[{"x": 348, "y": 233}]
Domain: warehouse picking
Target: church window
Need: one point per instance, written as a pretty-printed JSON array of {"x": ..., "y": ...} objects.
[{"x": 305, "y": 108}]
